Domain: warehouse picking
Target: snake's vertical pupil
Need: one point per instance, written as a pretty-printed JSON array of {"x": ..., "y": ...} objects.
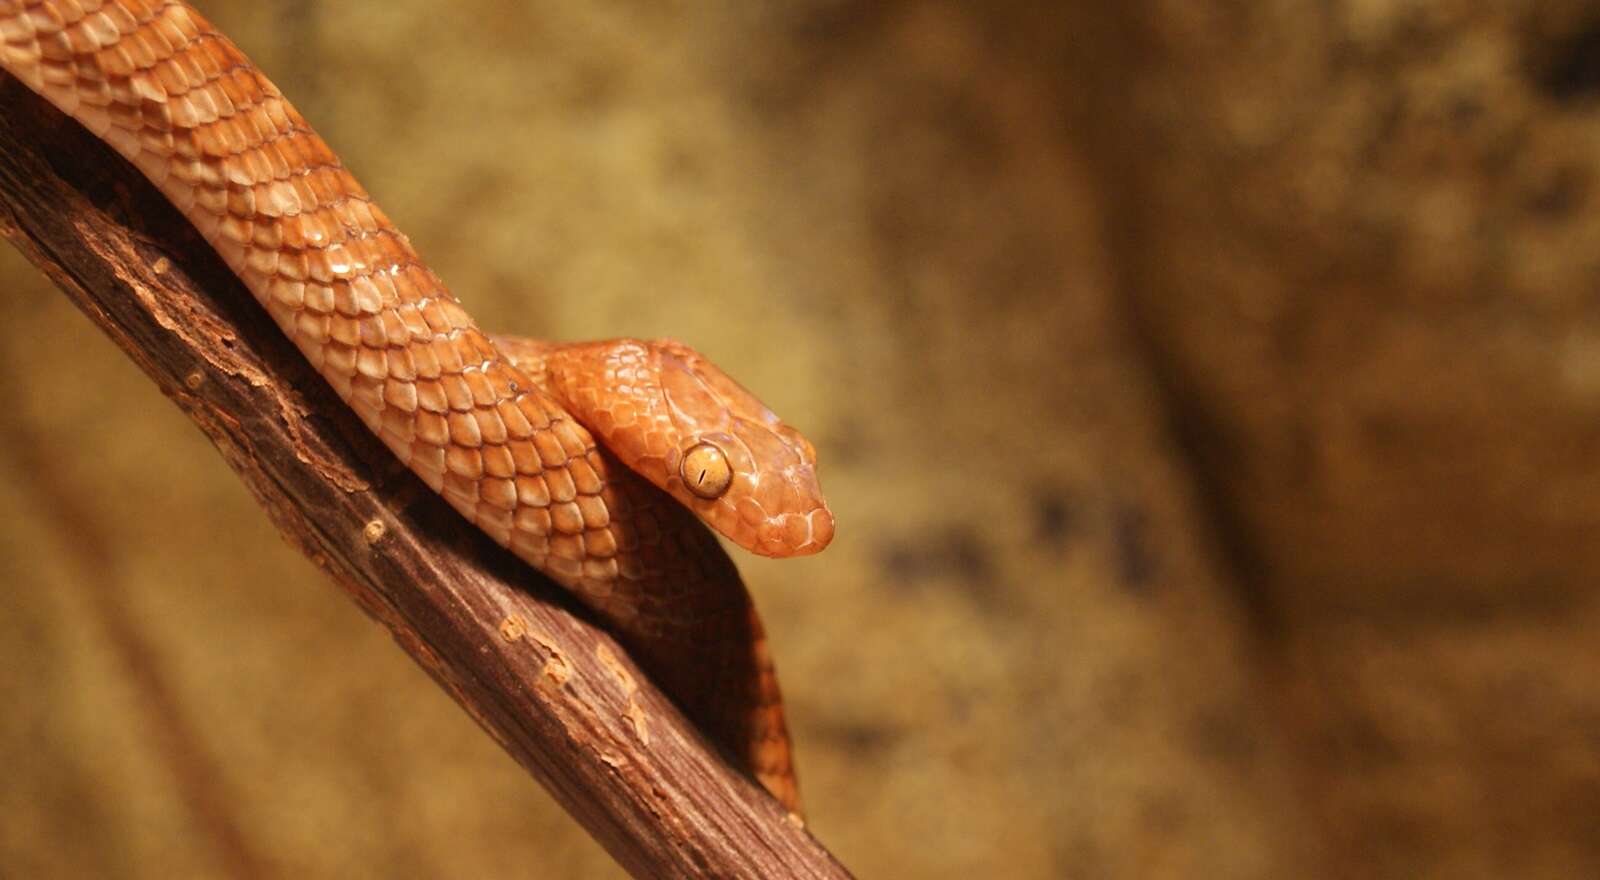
[{"x": 705, "y": 471}]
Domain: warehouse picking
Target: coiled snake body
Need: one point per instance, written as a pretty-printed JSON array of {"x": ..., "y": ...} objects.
[{"x": 503, "y": 428}]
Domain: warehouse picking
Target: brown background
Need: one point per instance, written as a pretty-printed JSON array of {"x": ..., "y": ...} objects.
[{"x": 1209, "y": 395}]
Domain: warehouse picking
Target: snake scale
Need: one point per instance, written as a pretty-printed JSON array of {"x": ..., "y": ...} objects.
[{"x": 503, "y": 428}]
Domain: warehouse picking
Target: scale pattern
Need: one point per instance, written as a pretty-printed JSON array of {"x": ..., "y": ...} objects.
[
  {"x": 647, "y": 396},
  {"x": 158, "y": 83}
]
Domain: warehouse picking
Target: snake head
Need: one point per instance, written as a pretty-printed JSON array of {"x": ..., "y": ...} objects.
[
  {"x": 675, "y": 418},
  {"x": 731, "y": 460}
]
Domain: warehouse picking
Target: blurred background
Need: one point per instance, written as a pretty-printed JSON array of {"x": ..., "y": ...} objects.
[{"x": 1208, "y": 394}]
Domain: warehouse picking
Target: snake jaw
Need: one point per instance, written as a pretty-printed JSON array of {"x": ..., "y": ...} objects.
[{"x": 773, "y": 503}]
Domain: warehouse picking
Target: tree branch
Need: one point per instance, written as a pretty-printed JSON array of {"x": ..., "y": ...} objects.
[{"x": 554, "y": 690}]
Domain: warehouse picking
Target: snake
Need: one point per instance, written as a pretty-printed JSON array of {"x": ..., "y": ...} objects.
[{"x": 601, "y": 464}]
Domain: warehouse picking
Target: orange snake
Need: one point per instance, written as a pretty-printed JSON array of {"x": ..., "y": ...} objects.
[{"x": 503, "y": 428}]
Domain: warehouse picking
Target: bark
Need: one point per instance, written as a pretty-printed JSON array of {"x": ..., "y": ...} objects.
[{"x": 515, "y": 652}]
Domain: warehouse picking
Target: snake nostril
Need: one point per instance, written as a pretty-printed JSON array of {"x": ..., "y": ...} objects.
[{"x": 705, "y": 471}]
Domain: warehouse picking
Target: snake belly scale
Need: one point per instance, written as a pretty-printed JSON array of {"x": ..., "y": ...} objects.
[{"x": 504, "y": 429}]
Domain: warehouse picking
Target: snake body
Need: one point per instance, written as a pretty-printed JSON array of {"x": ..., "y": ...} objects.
[{"x": 505, "y": 431}]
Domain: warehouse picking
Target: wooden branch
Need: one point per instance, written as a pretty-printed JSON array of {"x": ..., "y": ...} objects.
[{"x": 555, "y": 691}]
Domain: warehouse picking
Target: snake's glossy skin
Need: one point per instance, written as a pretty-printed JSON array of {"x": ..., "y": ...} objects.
[{"x": 504, "y": 434}]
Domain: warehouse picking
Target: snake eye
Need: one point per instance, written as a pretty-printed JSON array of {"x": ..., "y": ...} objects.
[{"x": 705, "y": 471}]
